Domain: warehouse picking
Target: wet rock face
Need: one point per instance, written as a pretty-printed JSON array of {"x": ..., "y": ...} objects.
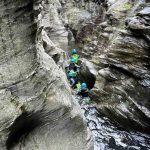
[
  {"x": 79, "y": 15},
  {"x": 127, "y": 74},
  {"x": 119, "y": 48},
  {"x": 35, "y": 99},
  {"x": 140, "y": 24}
]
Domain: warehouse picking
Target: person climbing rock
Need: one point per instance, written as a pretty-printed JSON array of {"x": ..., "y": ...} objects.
[
  {"x": 74, "y": 55},
  {"x": 84, "y": 91},
  {"x": 69, "y": 75},
  {"x": 73, "y": 79},
  {"x": 73, "y": 73},
  {"x": 73, "y": 66}
]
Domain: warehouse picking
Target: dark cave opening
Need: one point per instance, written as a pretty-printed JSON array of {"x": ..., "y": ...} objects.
[
  {"x": 86, "y": 76},
  {"x": 56, "y": 58},
  {"x": 21, "y": 127}
]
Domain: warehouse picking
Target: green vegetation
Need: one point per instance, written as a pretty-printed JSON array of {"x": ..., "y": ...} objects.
[
  {"x": 124, "y": 6},
  {"x": 127, "y": 6}
]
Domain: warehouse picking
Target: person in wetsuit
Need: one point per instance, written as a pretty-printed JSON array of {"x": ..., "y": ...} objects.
[
  {"x": 73, "y": 66},
  {"x": 84, "y": 91},
  {"x": 73, "y": 79}
]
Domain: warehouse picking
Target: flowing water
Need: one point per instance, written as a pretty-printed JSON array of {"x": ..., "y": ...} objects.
[{"x": 106, "y": 136}]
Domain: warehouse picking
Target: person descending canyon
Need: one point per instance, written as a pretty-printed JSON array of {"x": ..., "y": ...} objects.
[
  {"x": 74, "y": 55},
  {"x": 73, "y": 78},
  {"x": 71, "y": 72},
  {"x": 84, "y": 91},
  {"x": 72, "y": 66}
]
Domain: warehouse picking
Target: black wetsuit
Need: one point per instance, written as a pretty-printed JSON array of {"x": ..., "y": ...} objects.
[
  {"x": 84, "y": 92},
  {"x": 73, "y": 66}
]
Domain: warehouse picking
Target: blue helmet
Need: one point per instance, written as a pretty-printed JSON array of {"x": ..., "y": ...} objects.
[
  {"x": 74, "y": 51},
  {"x": 83, "y": 85},
  {"x": 72, "y": 60},
  {"x": 70, "y": 74}
]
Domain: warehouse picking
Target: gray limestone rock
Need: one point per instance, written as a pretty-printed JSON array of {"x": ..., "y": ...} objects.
[
  {"x": 121, "y": 59},
  {"x": 37, "y": 110}
]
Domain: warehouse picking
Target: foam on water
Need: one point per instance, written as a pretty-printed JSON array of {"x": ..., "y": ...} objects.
[{"x": 106, "y": 136}]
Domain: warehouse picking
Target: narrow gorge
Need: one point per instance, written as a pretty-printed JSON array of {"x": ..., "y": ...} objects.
[{"x": 39, "y": 110}]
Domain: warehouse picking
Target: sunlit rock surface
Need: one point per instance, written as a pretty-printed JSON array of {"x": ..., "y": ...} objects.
[{"x": 37, "y": 111}]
